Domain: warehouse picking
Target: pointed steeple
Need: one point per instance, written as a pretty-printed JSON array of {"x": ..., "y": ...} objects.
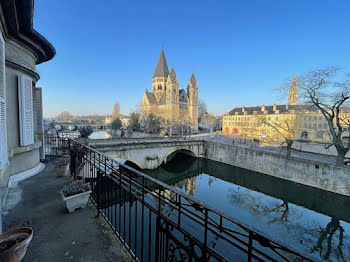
[
  {"x": 172, "y": 75},
  {"x": 193, "y": 80},
  {"x": 293, "y": 93},
  {"x": 162, "y": 66}
]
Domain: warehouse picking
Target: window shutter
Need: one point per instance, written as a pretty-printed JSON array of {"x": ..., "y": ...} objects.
[
  {"x": 25, "y": 100},
  {"x": 3, "y": 128}
]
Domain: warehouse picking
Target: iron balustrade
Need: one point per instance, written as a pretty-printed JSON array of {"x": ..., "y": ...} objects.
[{"x": 157, "y": 222}]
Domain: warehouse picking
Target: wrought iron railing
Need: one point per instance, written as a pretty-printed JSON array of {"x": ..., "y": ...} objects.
[{"x": 157, "y": 222}]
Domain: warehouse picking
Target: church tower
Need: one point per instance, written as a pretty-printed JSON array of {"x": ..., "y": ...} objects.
[
  {"x": 172, "y": 95},
  {"x": 192, "y": 92},
  {"x": 293, "y": 93},
  {"x": 160, "y": 77}
]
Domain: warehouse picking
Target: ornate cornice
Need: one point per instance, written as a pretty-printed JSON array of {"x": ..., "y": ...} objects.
[
  {"x": 23, "y": 69},
  {"x": 17, "y": 19}
]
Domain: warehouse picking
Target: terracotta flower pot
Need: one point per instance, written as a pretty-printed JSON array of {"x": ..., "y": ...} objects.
[
  {"x": 14, "y": 244},
  {"x": 62, "y": 170},
  {"x": 77, "y": 201}
]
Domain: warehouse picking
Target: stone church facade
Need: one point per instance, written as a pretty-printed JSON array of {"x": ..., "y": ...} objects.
[{"x": 173, "y": 105}]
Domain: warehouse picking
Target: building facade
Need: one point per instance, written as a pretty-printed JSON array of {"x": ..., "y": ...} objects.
[
  {"x": 167, "y": 101},
  {"x": 276, "y": 123},
  {"x": 21, "y": 115}
]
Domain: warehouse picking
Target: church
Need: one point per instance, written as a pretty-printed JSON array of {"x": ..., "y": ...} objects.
[{"x": 173, "y": 105}]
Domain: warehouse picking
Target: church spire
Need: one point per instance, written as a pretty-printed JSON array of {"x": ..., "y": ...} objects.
[
  {"x": 162, "y": 66},
  {"x": 193, "y": 80},
  {"x": 293, "y": 93}
]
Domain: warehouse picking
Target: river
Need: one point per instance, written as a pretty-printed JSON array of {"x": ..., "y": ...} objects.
[{"x": 308, "y": 219}]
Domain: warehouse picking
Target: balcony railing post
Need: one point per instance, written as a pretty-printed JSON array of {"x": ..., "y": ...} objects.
[
  {"x": 250, "y": 245},
  {"x": 205, "y": 232},
  {"x": 72, "y": 163},
  {"x": 98, "y": 189},
  {"x": 158, "y": 249}
]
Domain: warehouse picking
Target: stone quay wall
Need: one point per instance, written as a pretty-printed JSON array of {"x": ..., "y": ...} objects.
[{"x": 315, "y": 174}]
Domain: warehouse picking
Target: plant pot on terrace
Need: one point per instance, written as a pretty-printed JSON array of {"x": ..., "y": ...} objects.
[
  {"x": 76, "y": 194},
  {"x": 14, "y": 244},
  {"x": 61, "y": 165}
]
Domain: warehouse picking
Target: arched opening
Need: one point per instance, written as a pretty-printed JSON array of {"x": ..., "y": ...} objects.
[
  {"x": 132, "y": 165},
  {"x": 181, "y": 152},
  {"x": 127, "y": 162},
  {"x": 179, "y": 160}
]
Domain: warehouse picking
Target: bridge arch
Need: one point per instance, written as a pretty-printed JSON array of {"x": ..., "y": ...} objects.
[
  {"x": 176, "y": 151},
  {"x": 134, "y": 163}
]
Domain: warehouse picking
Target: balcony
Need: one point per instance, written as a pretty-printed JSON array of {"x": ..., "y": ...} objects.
[{"x": 59, "y": 235}]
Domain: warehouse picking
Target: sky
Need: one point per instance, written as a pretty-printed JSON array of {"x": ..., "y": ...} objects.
[{"x": 239, "y": 51}]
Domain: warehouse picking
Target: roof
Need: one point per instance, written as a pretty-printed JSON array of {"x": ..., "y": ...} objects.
[
  {"x": 162, "y": 101},
  {"x": 282, "y": 109},
  {"x": 193, "y": 80},
  {"x": 182, "y": 95},
  {"x": 17, "y": 17},
  {"x": 162, "y": 66},
  {"x": 172, "y": 75},
  {"x": 151, "y": 98}
]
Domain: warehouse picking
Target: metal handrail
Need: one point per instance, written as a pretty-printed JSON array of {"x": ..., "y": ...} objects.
[{"x": 127, "y": 180}]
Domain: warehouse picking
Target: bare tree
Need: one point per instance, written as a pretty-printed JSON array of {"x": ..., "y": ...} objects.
[
  {"x": 320, "y": 88},
  {"x": 327, "y": 236},
  {"x": 202, "y": 108},
  {"x": 283, "y": 130}
]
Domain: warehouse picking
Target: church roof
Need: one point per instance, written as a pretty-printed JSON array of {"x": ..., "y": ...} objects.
[
  {"x": 172, "y": 75},
  {"x": 151, "y": 98},
  {"x": 183, "y": 95},
  {"x": 193, "y": 80},
  {"x": 162, "y": 101},
  {"x": 162, "y": 67}
]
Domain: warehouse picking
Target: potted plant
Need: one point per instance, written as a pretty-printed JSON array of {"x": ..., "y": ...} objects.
[
  {"x": 85, "y": 132},
  {"x": 14, "y": 244},
  {"x": 76, "y": 194},
  {"x": 61, "y": 165}
]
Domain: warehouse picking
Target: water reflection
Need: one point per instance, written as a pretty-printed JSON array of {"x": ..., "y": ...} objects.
[{"x": 308, "y": 219}]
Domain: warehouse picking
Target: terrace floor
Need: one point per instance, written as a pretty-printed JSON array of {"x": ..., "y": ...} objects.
[{"x": 59, "y": 235}]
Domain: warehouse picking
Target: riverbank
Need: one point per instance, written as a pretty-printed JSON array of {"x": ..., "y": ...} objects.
[{"x": 304, "y": 171}]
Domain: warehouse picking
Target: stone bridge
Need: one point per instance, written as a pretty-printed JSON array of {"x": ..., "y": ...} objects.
[
  {"x": 76, "y": 126},
  {"x": 149, "y": 153}
]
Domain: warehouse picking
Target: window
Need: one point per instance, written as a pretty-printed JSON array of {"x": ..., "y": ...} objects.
[
  {"x": 315, "y": 118},
  {"x": 159, "y": 87},
  {"x": 263, "y": 133},
  {"x": 3, "y": 128},
  {"x": 304, "y": 135},
  {"x": 319, "y": 134},
  {"x": 25, "y": 101},
  {"x": 319, "y": 126}
]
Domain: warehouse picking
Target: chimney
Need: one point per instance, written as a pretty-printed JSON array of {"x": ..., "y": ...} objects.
[
  {"x": 274, "y": 107},
  {"x": 243, "y": 109},
  {"x": 262, "y": 108},
  {"x": 287, "y": 106}
]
